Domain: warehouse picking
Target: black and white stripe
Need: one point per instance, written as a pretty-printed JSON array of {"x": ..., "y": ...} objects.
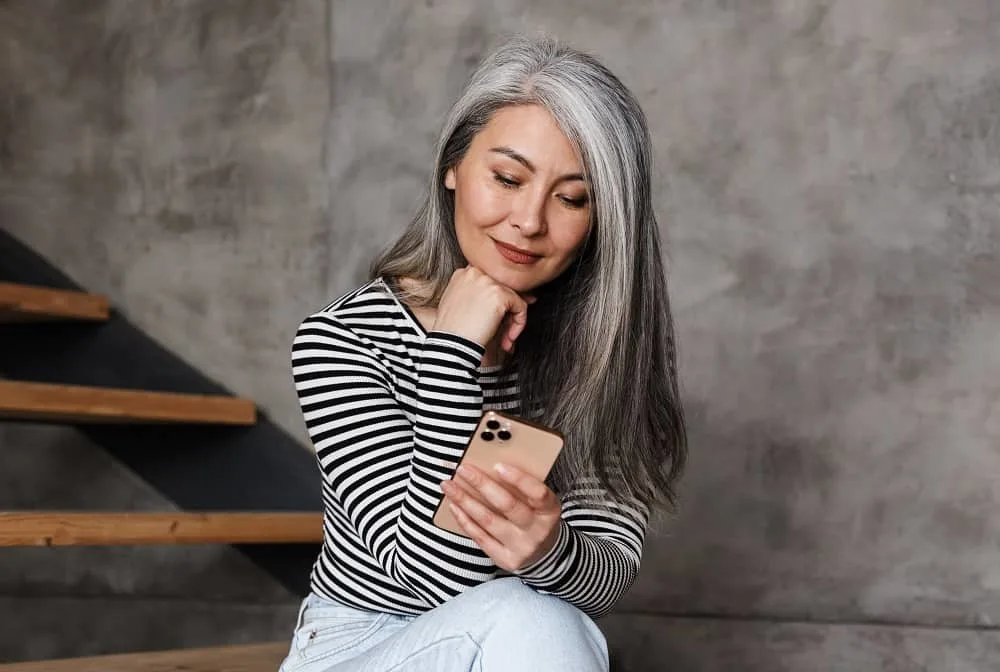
[{"x": 389, "y": 409}]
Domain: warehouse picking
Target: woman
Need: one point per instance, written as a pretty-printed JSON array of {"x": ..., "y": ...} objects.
[{"x": 530, "y": 281}]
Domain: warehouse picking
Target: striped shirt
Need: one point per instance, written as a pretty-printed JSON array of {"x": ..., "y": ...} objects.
[{"x": 390, "y": 408}]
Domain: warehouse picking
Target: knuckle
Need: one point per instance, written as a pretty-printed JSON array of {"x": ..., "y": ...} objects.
[{"x": 507, "y": 504}]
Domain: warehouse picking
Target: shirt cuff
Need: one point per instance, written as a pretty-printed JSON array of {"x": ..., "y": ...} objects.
[
  {"x": 549, "y": 568},
  {"x": 444, "y": 341}
]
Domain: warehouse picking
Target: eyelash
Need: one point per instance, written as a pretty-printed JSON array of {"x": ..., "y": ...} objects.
[
  {"x": 507, "y": 183},
  {"x": 575, "y": 203}
]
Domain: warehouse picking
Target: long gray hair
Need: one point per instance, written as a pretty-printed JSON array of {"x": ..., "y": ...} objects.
[{"x": 597, "y": 359}]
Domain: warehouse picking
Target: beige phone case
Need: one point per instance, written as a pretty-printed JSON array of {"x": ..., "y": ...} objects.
[{"x": 529, "y": 446}]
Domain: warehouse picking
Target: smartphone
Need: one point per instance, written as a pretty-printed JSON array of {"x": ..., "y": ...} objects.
[{"x": 499, "y": 437}]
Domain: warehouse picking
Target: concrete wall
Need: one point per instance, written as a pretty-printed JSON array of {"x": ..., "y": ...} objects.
[{"x": 828, "y": 175}]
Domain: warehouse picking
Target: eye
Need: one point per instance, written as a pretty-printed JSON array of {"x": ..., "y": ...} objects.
[
  {"x": 575, "y": 203},
  {"x": 506, "y": 182}
]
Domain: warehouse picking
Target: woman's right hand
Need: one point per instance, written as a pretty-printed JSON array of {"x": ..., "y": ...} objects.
[{"x": 474, "y": 306}]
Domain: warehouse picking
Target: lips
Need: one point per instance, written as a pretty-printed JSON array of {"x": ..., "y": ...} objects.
[{"x": 516, "y": 254}]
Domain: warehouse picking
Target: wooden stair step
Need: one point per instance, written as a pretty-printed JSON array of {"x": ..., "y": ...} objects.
[
  {"x": 23, "y": 303},
  {"x": 61, "y": 528},
  {"x": 247, "y": 658},
  {"x": 75, "y": 404}
]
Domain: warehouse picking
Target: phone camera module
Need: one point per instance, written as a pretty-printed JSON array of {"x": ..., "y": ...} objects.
[
  {"x": 493, "y": 424},
  {"x": 504, "y": 435},
  {"x": 488, "y": 436}
]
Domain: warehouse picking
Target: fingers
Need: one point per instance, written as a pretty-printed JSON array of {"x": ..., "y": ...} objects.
[
  {"x": 486, "y": 510},
  {"x": 477, "y": 307},
  {"x": 489, "y": 544},
  {"x": 503, "y": 501},
  {"x": 516, "y": 324},
  {"x": 534, "y": 492},
  {"x": 485, "y": 499},
  {"x": 517, "y": 319},
  {"x": 515, "y": 308},
  {"x": 487, "y": 522}
]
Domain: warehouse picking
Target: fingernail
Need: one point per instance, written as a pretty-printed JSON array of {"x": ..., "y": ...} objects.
[
  {"x": 501, "y": 469},
  {"x": 463, "y": 470}
]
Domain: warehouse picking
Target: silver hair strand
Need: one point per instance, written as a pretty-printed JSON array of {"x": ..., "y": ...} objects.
[{"x": 597, "y": 359}]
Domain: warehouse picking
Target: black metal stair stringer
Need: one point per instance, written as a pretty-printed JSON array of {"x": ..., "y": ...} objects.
[{"x": 199, "y": 468}]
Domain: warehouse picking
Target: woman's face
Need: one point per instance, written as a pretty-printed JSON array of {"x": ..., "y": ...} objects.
[{"x": 520, "y": 185}]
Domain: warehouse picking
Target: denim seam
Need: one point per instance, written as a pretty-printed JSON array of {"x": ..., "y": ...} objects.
[{"x": 479, "y": 657}]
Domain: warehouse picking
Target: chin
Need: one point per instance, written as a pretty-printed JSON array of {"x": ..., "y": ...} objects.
[{"x": 518, "y": 281}]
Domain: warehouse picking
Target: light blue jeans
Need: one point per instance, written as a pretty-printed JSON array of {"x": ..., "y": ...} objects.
[{"x": 499, "y": 626}]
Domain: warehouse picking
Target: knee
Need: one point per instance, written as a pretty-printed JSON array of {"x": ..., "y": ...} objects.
[
  {"x": 533, "y": 631},
  {"x": 541, "y": 616}
]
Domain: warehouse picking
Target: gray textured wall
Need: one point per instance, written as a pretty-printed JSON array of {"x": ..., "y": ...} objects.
[{"x": 828, "y": 175}]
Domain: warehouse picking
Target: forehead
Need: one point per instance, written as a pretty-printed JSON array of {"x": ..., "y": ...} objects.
[{"x": 531, "y": 131}]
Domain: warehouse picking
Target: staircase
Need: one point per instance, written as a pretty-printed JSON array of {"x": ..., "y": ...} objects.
[
  {"x": 250, "y": 658},
  {"x": 182, "y": 442}
]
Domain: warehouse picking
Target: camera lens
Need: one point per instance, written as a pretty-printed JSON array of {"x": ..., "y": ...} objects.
[
  {"x": 504, "y": 435},
  {"x": 486, "y": 436},
  {"x": 493, "y": 424}
]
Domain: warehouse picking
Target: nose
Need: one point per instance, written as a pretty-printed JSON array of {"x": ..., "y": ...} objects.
[{"x": 528, "y": 214}]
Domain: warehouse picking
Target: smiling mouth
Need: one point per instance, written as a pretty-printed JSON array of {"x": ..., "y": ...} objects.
[{"x": 515, "y": 255}]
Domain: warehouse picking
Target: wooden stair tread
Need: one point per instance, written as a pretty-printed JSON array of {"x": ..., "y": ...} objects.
[
  {"x": 247, "y": 658},
  {"x": 61, "y": 528},
  {"x": 74, "y": 404},
  {"x": 21, "y": 303}
]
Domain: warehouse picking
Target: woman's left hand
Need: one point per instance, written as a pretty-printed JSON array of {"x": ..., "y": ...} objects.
[{"x": 512, "y": 516}]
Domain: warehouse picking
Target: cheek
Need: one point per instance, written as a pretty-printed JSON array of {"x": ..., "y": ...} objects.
[
  {"x": 480, "y": 205},
  {"x": 569, "y": 232}
]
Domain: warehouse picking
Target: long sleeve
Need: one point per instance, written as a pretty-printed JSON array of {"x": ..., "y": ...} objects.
[
  {"x": 382, "y": 470},
  {"x": 597, "y": 554}
]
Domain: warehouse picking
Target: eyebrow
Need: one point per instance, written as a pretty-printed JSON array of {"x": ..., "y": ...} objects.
[{"x": 523, "y": 160}]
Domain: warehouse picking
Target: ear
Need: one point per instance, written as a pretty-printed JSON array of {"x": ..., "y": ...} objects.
[{"x": 449, "y": 179}]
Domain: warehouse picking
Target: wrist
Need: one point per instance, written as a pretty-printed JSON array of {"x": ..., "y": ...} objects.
[
  {"x": 442, "y": 326},
  {"x": 454, "y": 342},
  {"x": 546, "y": 547}
]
